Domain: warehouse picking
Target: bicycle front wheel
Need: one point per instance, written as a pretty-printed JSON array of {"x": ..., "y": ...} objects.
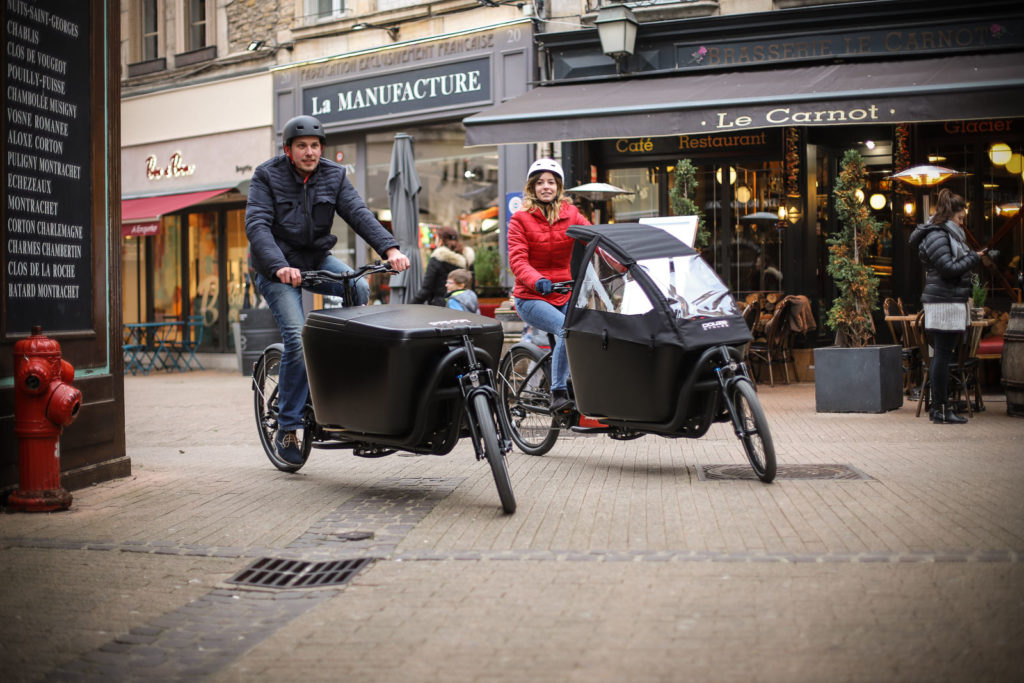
[
  {"x": 265, "y": 380},
  {"x": 754, "y": 432},
  {"x": 524, "y": 390},
  {"x": 485, "y": 419}
]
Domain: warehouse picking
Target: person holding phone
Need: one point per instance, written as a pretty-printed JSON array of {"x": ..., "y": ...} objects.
[{"x": 947, "y": 261}]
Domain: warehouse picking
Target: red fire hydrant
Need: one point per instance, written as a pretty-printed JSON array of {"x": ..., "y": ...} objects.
[{"x": 44, "y": 402}]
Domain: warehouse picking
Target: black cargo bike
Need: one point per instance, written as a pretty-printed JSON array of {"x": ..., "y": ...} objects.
[
  {"x": 655, "y": 345},
  {"x": 392, "y": 378}
]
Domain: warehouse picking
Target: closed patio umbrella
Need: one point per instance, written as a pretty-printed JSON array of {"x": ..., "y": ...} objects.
[{"x": 403, "y": 196}]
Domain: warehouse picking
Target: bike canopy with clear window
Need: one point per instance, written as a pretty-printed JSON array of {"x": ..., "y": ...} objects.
[{"x": 641, "y": 283}]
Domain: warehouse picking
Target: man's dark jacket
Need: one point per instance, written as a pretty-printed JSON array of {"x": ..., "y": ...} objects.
[
  {"x": 947, "y": 278},
  {"x": 288, "y": 221}
]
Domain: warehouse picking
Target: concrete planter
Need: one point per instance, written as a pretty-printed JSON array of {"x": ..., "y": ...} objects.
[{"x": 863, "y": 380}]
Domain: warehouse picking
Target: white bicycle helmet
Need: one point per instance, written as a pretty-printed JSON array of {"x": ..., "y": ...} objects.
[{"x": 542, "y": 165}]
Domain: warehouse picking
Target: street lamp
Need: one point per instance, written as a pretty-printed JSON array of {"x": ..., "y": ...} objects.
[{"x": 616, "y": 27}]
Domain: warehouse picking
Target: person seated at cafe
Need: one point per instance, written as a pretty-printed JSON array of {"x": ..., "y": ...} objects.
[{"x": 461, "y": 296}]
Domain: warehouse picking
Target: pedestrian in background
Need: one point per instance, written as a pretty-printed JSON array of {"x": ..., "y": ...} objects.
[
  {"x": 461, "y": 296},
  {"x": 293, "y": 199},
  {"x": 450, "y": 254},
  {"x": 539, "y": 251},
  {"x": 947, "y": 261}
]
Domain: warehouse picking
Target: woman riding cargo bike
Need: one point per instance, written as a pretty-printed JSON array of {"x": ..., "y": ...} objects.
[{"x": 665, "y": 359}]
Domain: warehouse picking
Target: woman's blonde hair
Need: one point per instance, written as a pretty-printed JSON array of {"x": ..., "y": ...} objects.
[{"x": 530, "y": 202}]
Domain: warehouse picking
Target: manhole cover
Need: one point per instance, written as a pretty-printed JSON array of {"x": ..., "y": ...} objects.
[
  {"x": 355, "y": 535},
  {"x": 826, "y": 472},
  {"x": 270, "y": 572}
]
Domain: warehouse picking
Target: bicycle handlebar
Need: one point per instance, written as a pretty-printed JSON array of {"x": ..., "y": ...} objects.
[
  {"x": 561, "y": 287},
  {"x": 316, "y": 277}
]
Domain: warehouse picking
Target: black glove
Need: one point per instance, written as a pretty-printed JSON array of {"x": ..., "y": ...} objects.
[{"x": 543, "y": 286}]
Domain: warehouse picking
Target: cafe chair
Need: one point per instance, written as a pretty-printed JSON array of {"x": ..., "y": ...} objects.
[
  {"x": 751, "y": 314},
  {"x": 133, "y": 349},
  {"x": 774, "y": 347},
  {"x": 907, "y": 339},
  {"x": 963, "y": 371},
  {"x": 185, "y": 349}
]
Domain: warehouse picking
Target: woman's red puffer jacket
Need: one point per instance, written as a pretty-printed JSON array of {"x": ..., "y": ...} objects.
[{"x": 537, "y": 249}]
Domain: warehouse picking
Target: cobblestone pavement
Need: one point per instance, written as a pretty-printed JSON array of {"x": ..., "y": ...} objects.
[{"x": 626, "y": 561}]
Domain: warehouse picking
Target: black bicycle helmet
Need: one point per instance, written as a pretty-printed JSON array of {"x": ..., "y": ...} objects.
[{"x": 301, "y": 126}]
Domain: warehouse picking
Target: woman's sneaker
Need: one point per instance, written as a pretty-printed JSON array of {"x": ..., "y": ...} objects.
[{"x": 287, "y": 444}]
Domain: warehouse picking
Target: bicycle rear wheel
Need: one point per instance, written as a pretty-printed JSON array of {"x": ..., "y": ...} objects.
[
  {"x": 524, "y": 390},
  {"x": 755, "y": 435},
  {"x": 485, "y": 418},
  {"x": 265, "y": 378}
]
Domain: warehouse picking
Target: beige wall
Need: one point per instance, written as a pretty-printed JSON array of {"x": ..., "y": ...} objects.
[
  {"x": 744, "y": 6},
  {"x": 204, "y": 109}
]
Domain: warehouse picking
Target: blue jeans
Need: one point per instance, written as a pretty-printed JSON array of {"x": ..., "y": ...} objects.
[
  {"x": 285, "y": 303},
  {"x": 541, "y": 315}
]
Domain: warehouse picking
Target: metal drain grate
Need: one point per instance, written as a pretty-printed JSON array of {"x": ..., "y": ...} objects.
[
  {"x": 817, "y": 472},
  {"x": 270, "y": 572}
]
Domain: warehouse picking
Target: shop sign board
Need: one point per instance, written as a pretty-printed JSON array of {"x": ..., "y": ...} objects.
[
  {"x": 47, "y": 189},
  {"x": 938, "y": 38},
  {"x": 767, "y": 140},
  {"x": 454, "y": 84},
  {"x": 978, "y": 128}
]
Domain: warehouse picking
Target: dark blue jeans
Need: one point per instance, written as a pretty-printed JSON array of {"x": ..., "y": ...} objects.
[
  {"x": 285, "y": 303},
  {"x": 943, "y": 343}
]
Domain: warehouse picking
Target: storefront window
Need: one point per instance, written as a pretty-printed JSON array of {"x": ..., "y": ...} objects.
[
  {"x": 642, "y": 203},
  {"x": 204, "y": 283},
  {"x": 460, "y": 190},
  {"x": 238, "y": 284},
  {"x": 752, "y": 226},
  {"x": 133, "y": 278},
  {"x": 166, "y": 272}
]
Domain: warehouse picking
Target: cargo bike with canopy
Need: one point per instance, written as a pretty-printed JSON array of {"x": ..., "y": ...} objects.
[
  {"x": 396, "y": 377},
  {"x": 655, "y": 344}
]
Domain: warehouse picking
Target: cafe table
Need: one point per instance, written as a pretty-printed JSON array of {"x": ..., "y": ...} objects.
[{"x": 148, "y": 346}]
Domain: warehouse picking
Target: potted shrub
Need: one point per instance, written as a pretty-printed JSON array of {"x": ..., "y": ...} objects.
[
  {"x": 855, "y": 375},
  {"x": 978, "y": 296},
  {"x": 684, "y": 188}
]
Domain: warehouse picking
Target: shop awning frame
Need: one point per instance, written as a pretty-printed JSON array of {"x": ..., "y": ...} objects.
[
  {"x": 961, "y": 87},
  {"x": 141, "y": 216}
]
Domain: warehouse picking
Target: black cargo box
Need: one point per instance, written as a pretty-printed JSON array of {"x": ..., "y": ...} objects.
[{"x": 368, "y": 366}]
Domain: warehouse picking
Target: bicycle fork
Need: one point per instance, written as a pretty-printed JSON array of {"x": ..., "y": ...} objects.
[
  {"x": 730, "y": 372},
  {"x": 477, "y": 380}
]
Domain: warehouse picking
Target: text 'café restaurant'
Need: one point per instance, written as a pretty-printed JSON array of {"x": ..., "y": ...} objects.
[{"x": 763, "y": 106}]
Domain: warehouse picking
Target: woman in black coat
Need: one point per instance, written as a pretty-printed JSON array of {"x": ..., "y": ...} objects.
[
  {"x": 948, "y": 262},
  {"x": 450, "y": 254}
]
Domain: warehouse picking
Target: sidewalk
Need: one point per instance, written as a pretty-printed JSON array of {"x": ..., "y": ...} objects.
[{"x": 625, "y": 561}]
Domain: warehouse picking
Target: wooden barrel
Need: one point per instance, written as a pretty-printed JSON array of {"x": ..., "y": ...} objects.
[{"x": 1013, "y": 361}]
